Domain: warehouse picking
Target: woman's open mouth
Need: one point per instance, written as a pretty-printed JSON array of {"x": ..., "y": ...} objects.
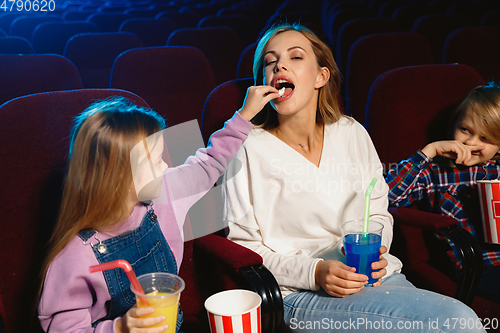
[{"x": 285, "y": 87}]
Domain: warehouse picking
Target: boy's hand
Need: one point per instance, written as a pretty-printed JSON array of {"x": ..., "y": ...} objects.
[
  {"x": 255, "y": 100},
  {"x": 131, "y": 323},
  {"x": 451, "y": 149}
]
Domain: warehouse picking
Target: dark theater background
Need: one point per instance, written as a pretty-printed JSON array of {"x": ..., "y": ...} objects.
[{"x": 193, "y": 60}]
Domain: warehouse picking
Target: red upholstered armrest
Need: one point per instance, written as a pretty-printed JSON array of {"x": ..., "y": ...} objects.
[
  {"x": 227, "y": 265},
  {"x": 422, "y": 220},
  {"x": 223, "y": 251},
  {"x": 466, "y": 245}
]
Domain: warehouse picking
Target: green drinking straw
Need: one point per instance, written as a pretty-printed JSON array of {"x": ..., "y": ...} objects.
[{"x": 366, "y": 213}]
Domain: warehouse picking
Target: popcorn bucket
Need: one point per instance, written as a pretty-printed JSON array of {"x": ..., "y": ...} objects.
[
  {"x": 489, "y": 195},
  {"x": 234, "y": 311}
]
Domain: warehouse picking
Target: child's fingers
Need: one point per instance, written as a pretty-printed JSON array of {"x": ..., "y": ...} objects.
[
  {"x": 463, "y": 154},
  {"x": 146, "y": 322},
  {"x": 475, "y": 148},
  {"x": 137, "y": 312}
]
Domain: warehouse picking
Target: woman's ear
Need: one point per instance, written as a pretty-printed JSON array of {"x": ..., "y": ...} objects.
[{"x": 323, "y": 77}]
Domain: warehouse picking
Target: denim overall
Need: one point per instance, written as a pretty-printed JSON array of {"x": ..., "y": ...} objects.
[{"x": 147, "y": 251}]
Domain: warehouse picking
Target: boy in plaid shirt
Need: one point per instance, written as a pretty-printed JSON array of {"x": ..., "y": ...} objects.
[{"x": 443, "y": 174}]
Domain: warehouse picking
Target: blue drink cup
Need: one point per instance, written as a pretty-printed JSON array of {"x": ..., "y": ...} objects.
[{"x": 362, "y": 249}]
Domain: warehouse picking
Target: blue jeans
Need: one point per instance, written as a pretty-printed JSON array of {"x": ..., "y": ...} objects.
[{"x": 395, "y": 306}]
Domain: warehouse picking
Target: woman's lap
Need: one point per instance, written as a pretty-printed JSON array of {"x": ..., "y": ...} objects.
[{"x": 394, "y": 306}]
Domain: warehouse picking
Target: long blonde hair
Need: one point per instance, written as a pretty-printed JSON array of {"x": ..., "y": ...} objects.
[
  {"x": 483, "y": 103},
  {"x": 329, "y": 100},
  {"x": 99, "y": 174}
]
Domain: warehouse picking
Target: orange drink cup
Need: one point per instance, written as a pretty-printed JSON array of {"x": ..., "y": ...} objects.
[{"x": 162, "y": 291}]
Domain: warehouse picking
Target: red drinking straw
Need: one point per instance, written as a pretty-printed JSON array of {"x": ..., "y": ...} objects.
[{"x": 128, "y": 269}]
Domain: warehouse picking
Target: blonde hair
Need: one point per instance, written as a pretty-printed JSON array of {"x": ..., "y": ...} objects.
[
  {"x": 329, "y": 100},
  {"x": 483, "y": 104},
  {"x": 99, "y": 175}
]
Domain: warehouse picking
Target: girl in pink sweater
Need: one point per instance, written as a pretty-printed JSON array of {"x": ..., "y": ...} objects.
[{"x": 109, "y": 212}]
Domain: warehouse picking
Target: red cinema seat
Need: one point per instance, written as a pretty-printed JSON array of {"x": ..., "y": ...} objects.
[
  {"x": 221, "y": 46},
  {"x": 175, "y": 81},
  {"x": 93, "y": 55},
  {"x": 375, "y": 54},
  {"x": 27, "y": 74}
]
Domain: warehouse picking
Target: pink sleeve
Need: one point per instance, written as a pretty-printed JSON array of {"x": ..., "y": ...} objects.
[{"x": 73, "y": 298}]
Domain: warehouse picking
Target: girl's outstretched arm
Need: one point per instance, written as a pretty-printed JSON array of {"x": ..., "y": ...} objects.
[{"x": 190, "y": 181}]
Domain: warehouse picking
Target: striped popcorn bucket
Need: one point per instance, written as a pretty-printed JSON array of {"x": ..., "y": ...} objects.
[
  {"x": 489, "y": 194},
  {"x": 234, "y": 311}
]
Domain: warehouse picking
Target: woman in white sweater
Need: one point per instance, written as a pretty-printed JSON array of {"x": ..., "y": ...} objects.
[{"x": 300, "y": 174}]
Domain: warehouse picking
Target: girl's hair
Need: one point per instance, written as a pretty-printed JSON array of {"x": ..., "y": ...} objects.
[
  {"x": 329, "y": 101},
  {"x": 483, "y": 103},
  {"x": 99, "y": 175}
]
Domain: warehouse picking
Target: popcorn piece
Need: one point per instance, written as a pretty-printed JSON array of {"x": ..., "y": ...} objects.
[{"x": 282, "y": 91}]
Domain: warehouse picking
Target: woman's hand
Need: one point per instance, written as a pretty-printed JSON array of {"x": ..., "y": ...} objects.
[
  {"x": 381, "y": 265},
  {"x": 451, "y": 149},
  {"x": 131, "y": 323},
  {"x": 255, "y": 100},
  {"x": 338, "y": 279}
]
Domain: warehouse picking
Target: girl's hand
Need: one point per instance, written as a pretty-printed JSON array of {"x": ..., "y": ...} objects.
[
  {"x": 255, "y": 100},
  {"x": 451, "y": 149},
  {"x": 131, "y": 323},
  {"x": 338, "y": 279},
  {"x": 381, "y": 265}
]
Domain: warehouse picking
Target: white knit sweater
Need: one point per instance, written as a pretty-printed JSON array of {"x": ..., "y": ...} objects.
[{"x": 283, "y": 207}]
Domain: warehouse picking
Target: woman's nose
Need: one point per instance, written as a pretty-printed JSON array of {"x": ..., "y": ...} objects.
[{"x": 280, "y": 66}]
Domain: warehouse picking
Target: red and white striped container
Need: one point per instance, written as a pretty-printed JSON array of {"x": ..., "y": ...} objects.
[
  {"x": 234, "y": 311},
  {"x": 489, "y": 194}
]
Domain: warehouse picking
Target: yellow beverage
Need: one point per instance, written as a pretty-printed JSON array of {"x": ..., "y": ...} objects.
[{"x": 164, "y": 306}]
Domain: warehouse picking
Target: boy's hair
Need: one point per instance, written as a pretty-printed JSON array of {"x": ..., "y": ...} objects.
[
  {"x": 483, "y": 103},
  {"x": 99, "y": 175},
  {"x": 329, "y": 101}
]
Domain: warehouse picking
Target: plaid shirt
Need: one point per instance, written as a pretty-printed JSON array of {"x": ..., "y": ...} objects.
[{"x": 447, "y": 190}]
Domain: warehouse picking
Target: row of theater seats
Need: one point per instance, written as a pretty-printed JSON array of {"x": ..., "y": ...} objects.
[
  {"x": 371, "y": 37},
  {"x": 405, "y": 12},
  {"x": 35, "y": 128},
  {"x": 370, "y": 54},
  {"x": 37, "y": 30},
  {"x": 179, "y": 82},
  {"x": 175, "y": 81},
  {"x": 153, "y": 24},
  {"x": 450, "y": 38}
]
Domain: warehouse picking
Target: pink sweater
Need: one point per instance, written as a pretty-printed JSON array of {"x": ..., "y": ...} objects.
[{"x": 73, "y": 298}]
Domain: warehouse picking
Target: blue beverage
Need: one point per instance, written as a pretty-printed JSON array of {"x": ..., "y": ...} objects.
[{"x": 361, "y": 250}]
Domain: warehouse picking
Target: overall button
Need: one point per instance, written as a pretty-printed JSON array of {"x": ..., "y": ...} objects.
[
  {"x": 101, "y": 248},
  {"x": 153, "y": 217}
]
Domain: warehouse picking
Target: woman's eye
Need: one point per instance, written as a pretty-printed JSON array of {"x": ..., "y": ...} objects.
[
  {"x": 270, "y": 62},
  {"x": 463, "y": 129}
]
